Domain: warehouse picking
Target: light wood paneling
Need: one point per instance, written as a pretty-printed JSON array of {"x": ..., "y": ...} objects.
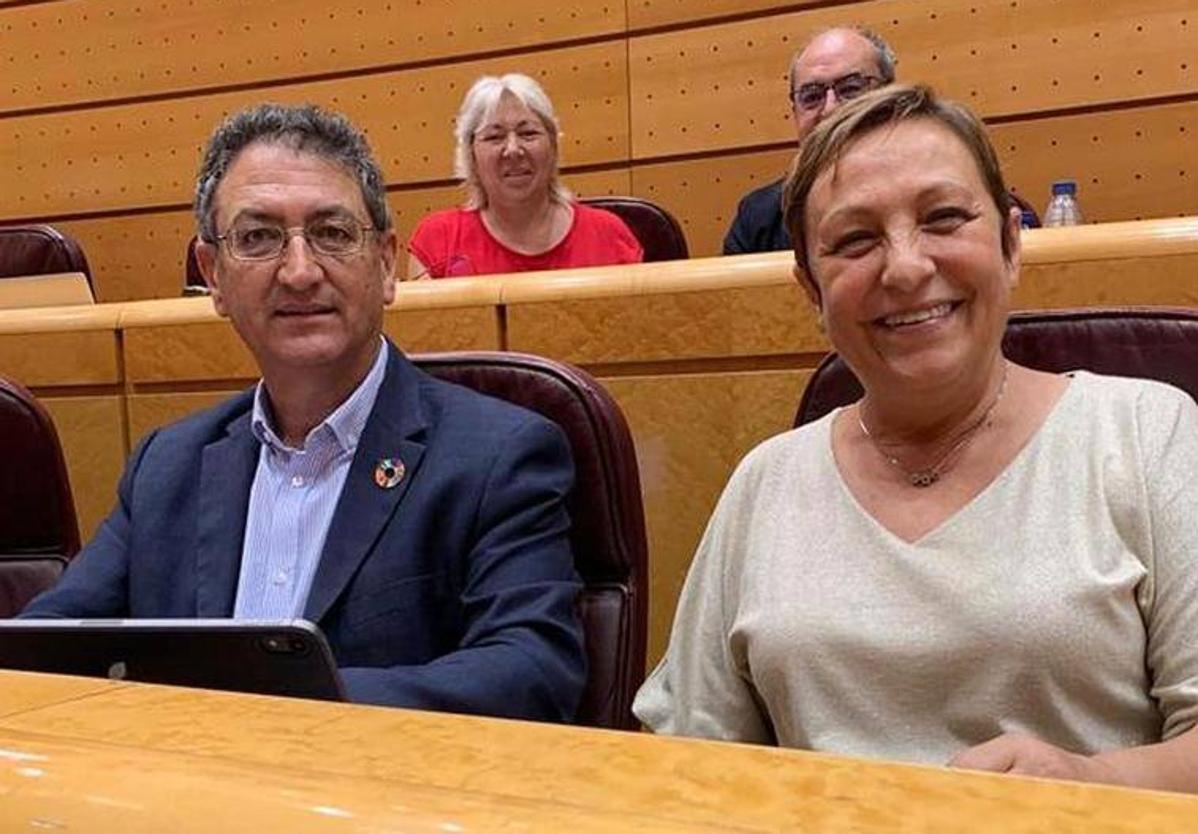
[
  {"x": 703, "y": 194},
  {"x": 459, "y": 328},
  {"x": 146, "y": 154},
  {"x": 646, "y": 13},
  {"x": 84, "y": 357},
  {"x": 199, "y": 352},
  {"x": 135, "y": 256},
  {"x": 748, "y": 322},
  {"x": 725, "y": 86},
  {"x": 207, "y": 43},
  {"x": 1129, "y": 164},
  {"x": 152, "y": 411},
  {"x": 690, "y": 432},
  {"x": 91, "y": 431}
]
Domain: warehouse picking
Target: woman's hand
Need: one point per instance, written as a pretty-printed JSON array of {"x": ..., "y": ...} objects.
[{"x": 1029, "y": 756}]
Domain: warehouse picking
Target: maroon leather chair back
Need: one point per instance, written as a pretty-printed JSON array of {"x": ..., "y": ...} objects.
[
  {"x": 38, "y": 530},
  {"x": 1158, "y": 343},
  {"x": 658, "y": 232},
  {"x": 607, "y": 517},
  {"x": 40, "y": 250}
]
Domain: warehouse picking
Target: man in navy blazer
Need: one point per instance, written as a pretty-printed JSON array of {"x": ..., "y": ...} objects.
[{"x": 419, "y": 524}]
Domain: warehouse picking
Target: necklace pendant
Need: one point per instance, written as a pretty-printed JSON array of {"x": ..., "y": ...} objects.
[{"x": 923, "y": 479}]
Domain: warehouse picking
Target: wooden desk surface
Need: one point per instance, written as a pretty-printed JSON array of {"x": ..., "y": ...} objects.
[{"x": 104, "y": 756}]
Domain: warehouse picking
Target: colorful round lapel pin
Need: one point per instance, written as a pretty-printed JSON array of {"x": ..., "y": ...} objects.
[{"x": 388, "y": 473}]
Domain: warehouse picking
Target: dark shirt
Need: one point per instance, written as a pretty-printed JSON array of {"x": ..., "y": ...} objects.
[{"x": 758, "y": 225}]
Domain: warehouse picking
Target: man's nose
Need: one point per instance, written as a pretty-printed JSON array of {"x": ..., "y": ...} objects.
[{"x": 298, "y": 267}]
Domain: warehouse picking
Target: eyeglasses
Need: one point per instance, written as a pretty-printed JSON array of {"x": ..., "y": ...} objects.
[
  {"x": 811, "y": 95},
  {"x": 333, "y": 237}
]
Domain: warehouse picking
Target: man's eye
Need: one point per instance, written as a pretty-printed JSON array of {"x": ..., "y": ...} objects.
[
  {"x": 332, "y": 234},
  {"x": 258, "y": 235}
]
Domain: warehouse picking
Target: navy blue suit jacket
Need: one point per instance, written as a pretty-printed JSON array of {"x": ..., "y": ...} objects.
[{"x": 452, "y": 591}]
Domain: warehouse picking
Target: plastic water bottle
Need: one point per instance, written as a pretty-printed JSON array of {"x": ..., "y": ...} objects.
[{"x": 1063, "y": 209}]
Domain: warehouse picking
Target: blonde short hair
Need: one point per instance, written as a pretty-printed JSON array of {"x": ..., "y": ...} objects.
[{"x": 480, "y": 102}]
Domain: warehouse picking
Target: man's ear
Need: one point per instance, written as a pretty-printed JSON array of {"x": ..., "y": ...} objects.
[
  {"x": 388, "y": 244},
  {"x": 206, "y": 258}
]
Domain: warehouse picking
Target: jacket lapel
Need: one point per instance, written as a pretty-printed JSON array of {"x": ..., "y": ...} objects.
[
  {"x": 226, "y": 473},
  {"x": 365, "y": 506}
]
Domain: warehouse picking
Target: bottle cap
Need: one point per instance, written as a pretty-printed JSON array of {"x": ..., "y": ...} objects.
[
  {"x": 1028, "y": 219},
  {"x": 1064, "y": 187}
]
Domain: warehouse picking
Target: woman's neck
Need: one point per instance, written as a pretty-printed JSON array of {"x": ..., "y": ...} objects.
[
  {"x": 530, "y": 226},
  {"x": 932, "y": 418}
]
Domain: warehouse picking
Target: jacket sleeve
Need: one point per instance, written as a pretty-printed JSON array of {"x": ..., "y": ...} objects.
[{"x": 521, "y": 652}]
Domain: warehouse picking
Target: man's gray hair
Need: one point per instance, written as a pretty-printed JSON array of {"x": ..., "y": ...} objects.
[
  {"x": 305, "y": 128},
  {"x": 883, "y": 54},
  {"x": 479, "y": 104}
]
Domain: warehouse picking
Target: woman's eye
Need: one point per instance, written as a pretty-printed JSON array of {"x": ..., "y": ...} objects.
[
  {"x": 947, "y": 219},
  {"x": 852, "y": 244}
]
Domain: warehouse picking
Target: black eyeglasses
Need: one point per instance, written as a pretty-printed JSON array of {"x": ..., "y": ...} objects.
[
  {"x": 811, "y": 95},
  {"x": 335, "y": 237}
]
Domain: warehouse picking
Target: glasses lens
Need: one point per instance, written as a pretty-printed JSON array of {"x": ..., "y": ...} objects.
[
  {"x": 810, "y": 96},
  {"x": 335, "y": 237},
  {"x": 256, "y": 242},
  {"x": 851, "y": 86}
]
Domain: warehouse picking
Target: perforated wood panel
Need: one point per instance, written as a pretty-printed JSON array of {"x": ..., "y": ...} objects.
[
  {"x": 207, "y": 43},
  {"x": 644, "y": 13},
  {"x": 137, "y": 256},
  {"x": 1129, "y": 164},
  {"x": 724, "y": 86},
  {"x": 703, "y": 194},
  {"x": 146, "y": 154}
]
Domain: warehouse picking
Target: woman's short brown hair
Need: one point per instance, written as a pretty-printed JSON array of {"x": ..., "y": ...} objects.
[{"x": 824, "y": 146}]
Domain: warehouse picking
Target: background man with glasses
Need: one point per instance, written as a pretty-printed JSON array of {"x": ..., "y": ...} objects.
[
  {"x": 836, "y": 65},
  {"x": 420, "y": 525}
]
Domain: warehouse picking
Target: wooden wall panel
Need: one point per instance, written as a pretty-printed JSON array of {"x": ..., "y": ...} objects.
[
  {"x": 211, "y": 43},
  {"x": 732, "y": 322},
  {"x": 151, "y": 411},
  {"x": 1129, "y": 164},
  {"x": 91, "y": 431},
  {"x": 724, "y": 86},
  {"x": 690, "y": 432},
  {"x": 135, "y": 256},
  {"x": 704, "y": 193},
  {"x": 644, "y": 14},
  {"x": 82, "y": 357},
  {"x": 146, "y": 154}
]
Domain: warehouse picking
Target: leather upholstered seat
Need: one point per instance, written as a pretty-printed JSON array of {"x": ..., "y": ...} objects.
[
  {"x": 1158, "y": 343},
  {"x": 655, "y": 228},
  {"x": 40, "y": 250},
  {"x": 607, "y": 517},
  {"x": 38, "y": 530}
]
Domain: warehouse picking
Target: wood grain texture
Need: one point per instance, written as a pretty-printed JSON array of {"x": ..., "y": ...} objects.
[
  {"x": 725, "y": 86},
  {"x": 154, "y": 50},
  {"x": 91, "y": 431},
  {"x": 690, "y": 431},
  {"x": 152, "y": 411},
  {"x": 267, "y": 756},
  {"x": 146, "y": 154},
  {"x": 84, "y": 357}
]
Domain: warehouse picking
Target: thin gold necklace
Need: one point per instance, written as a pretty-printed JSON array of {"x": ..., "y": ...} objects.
[{"x": 926, "y": 477}]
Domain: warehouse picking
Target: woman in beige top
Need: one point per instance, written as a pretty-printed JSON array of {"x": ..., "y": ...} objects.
[{"x": 977, "y": 563}]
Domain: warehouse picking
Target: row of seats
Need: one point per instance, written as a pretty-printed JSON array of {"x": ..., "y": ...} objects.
[
  {"x": 43, "y": 250},
  {"x": 38, "y": 529}
]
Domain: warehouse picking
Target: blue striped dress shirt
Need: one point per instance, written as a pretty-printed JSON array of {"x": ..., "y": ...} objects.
[{"x": 292, "y": 500}]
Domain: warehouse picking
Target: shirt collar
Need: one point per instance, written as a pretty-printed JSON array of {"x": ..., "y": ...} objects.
[{"x": 344, "y": 426}]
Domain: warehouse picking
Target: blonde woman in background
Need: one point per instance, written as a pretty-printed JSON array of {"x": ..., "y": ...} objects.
[{"x": 518, "y": 216}]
